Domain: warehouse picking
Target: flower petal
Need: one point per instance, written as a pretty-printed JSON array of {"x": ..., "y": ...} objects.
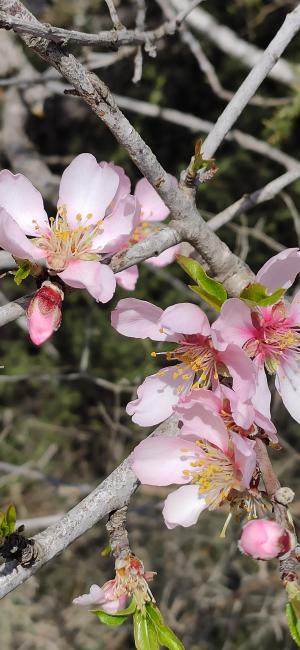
[
  {"x": 86, "y": 188},
  {"x": 127, "y": 279},
  {"x": 166, "y": 257},
  {"x": 97, "y": 278},
  {"x": 13, "y": 239},
  {"x": 200, "y": 421},
  {"x": 138, "y": 319},
  {"x": 96, "y": 596},
  {"x": 245, "y": 456},
  {"x": 281, "y": 270},
  {"x": 261, "y": 399},
  {"x": 233, "y": 324},
  {"x": 241, "y": 369},
  {"x": 287, "y": 383},
  {"x": 185, "y": 318},
  {"x": 124, "y": 184},
  {"x": 183, "y": 507},
  {"x": 117, "y": 228},
  {"x": 152, "y": 206},
  {"x": 158, "y": 394},
  {"x": 147, "y": 460},
  {"x": 23, "y": 202}
]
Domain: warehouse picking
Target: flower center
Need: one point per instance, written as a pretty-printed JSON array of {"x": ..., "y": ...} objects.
[
  {"x": 274, "y": 338},
  {"x": 63, "y": 244},
  {"x": 214, "y": 472},
  {"x": 198, "y": 355}
]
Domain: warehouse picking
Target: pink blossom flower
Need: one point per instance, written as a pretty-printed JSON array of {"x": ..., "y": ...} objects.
[
  {"x": 238, "y": 416},
  {"x": 271, "y": 337},
  {"x": 95, "y": 216},
  {"x": 44, "y": 312},
  {"x": 205, "y": 460},
  {"x": 264, "y": 539},
  {"x": 103, "y": 597},
  {"x": 200, "y": 361}
]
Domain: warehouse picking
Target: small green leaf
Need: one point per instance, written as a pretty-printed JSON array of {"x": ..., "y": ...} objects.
[
  {"x": 210, "y": 290},
  {"x": 106, "y": 551},
  {"x": 257, "y": 294},
  {"x": 145, "y": 634},
  {"x": 293, "y": 623},
  {"x": 168, "y": 639},
  {"x": 23, "y": 272},
  {"x": 155, "y": 615},
  {"x": 109, "y": 619},
  {"x": 11, "y": 517}
]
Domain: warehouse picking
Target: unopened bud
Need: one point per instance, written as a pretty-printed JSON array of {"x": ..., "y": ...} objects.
[
  {"x": 284, "y": 496},
  {"x": 44, "y": 312},
  {"x": 264, "y": 539}
]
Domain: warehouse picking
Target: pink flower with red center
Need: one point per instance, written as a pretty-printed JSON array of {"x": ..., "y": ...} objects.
[
  {"x": 104, "y": 597},
  {"x": 271, "y": 337},
  {"x": 201, "y": 363},
  {"x": 95, "y": 217},
  {"x": 264, "y": 539},
  {"x": 205, "y": 460},
  {"x": 44, "y": 312}
]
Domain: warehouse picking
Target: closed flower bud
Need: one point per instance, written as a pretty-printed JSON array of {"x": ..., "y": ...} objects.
[
  {"x": 263, "y": 539},
  {"x": 44, "y": 312}
]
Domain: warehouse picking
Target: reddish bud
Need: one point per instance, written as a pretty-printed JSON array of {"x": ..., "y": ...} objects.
[{"x": 44, "y": 312}]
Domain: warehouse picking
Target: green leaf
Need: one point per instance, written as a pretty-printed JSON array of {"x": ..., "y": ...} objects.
[
  {"x": 210, "y": 290},
  {"x": 145, "y": 634},
  {"x": 257, "y": 294},
  {"x": 168, "y": 639},
  {"x": 155, "y": 615},
  {"x": 165, "y": 635},
  {"x": 11, "y": 517},
  {"x": 293, "y": 623},
  {"x": 109, "y": 619},
  {"x": 23, "y": 272},
  {"x": 128, "y": 610}
]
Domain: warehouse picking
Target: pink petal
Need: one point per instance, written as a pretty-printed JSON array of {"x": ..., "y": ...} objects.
[
  {"x": 185, "y": 318},
  {"x": 245, "y": 456},
  {"x": 199, "y": 421},
  {"x": 293, "y": 311},
  {"x": 281, "y": 270},
  {"x": 166, "y": 257},
  {"x": 287, "y": 383},
  {"x": 96, "y": 596},
  {"x": 97, "y": 278},
  {"x": 123, "y": 187},
  {"x": 233, "y": 324},
  {"x": 241, "y": 369},
  {"x": 138, "y": 319},
  {"x": 152, "y": 206},
  {"x": 13, "y": 239},
  {"x": 86, "y": 188},
  {"x": 127, "y": 279},
  {"x": 147, "y": 460},
  {"x": 261, "y": 399},
  {"x": 23, "y": 202},
  {"x": 157, "y": 395},
  {"x": 117, "y": 228},
  {"x": 183, "y": 507}
]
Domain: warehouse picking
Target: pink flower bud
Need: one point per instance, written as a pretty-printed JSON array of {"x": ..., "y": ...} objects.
[
  {"x": 105, "y": 597},
  {"x": 44, "y": 312},
  {"x": 264, "y": 539}
]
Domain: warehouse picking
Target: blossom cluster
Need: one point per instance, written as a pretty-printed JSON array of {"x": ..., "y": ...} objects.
[
  {"x": 97, "y": 216},
  {"x": 216, "y": 382},
  {"x": 215, "y": 379}
]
